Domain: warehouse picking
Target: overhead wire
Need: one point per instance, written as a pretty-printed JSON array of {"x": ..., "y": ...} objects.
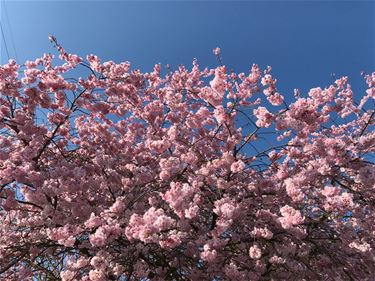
[
  {"x": 5, "y": 42},
  {"x": 10, "y": 31}
]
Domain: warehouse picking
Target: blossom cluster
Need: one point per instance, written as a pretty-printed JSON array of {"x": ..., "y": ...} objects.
[{"x": 125, "y": 175}]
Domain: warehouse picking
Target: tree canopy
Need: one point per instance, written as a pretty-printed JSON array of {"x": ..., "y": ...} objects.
[{"x": 186, "y": 174}]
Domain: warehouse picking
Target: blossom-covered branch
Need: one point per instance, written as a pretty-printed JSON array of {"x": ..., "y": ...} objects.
[{"x": 125, "y": 175}]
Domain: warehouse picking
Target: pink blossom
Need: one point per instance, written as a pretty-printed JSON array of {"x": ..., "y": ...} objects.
[
  {"x": 219, "y": 83},
  {"x": 262, "y": 232},
  {"x": 360, "y": 246},
  {"x": 265, "y": 118},
  {"x": 99, "y": 237},
  {"x": 97, "y": 275},
  {"x": 67, "y": 275},
  {"x": 255, "y": 252},
  {"x": 237, "y": 166},
  {"x": 276, "y": 260},
  {"x": 216, "y": 51},
  {"x": 209, "y": 255},
  {"x": 179, "y": 197},
  {"x": 290, "y": 217}
]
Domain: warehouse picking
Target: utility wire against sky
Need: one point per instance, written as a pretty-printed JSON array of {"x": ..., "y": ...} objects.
[
  {"x": 3, "y": 6},
  {"x": 10, "y": 31},
  {"x": 5, "y": 42}
]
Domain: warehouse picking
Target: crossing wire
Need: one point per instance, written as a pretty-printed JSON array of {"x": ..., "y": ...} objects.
[
  {"x": 5, "y": 42},
  {"x": 10, "y": 31}
]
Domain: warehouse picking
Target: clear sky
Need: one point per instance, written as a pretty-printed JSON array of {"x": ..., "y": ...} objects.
[{"x": 304, "y": 41}]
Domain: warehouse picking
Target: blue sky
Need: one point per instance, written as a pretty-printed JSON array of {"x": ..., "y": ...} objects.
[{"x": 304, "y": 41}]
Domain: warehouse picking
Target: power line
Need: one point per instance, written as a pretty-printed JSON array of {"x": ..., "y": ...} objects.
[
  {"x": 5, "y": 42},
  {"x": 10, "y": 31}
]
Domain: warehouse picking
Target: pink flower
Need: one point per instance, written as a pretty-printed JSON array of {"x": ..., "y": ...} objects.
[
  {"x": 262, "y": 232},
  {"x": 276, "y": 260},
  {"x": 216, "y": 51},
  {"x": 179, "y": 197},
  {"x": 99, "y": 238},
  {"x": 255, "y": 252},
  {"x": 209, "y": 255},
  {"x": 218, "y": 84},
  {"x": 97, "y": 275},
  {"x": 275, "y": 99},
  {"x": 237, "y": 166},
  {"x": 226, "y": 208},
  {"x": 148, "y": 227},
  {"x": 290, "y": 217},
  {"x": 360, "y": 246},
  {"x": 118, "y": 206},
  {"x": 67, "y": 275},
  {"x": 81, "y": 262},
  {"x": 265, "y": 118}
]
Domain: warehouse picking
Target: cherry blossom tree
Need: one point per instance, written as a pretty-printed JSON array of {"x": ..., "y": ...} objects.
[{"x": 187, "y": 174}]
